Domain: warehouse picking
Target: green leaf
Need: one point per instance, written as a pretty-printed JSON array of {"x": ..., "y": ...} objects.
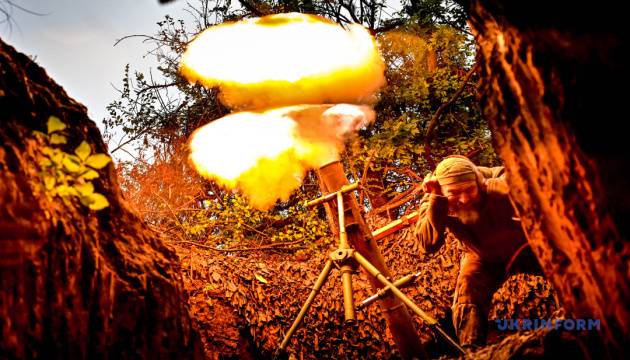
[
  {"x": 84, "y": 189},
  {"x": 55, "y": 124},
  {"x": 38, "y": 133},
  {"x": 57, "y": 139},
  {"x": 45, "y": 162},
  {"x": 83, "y": 150},
  {"x": 98, "y": 161},
  {"x": 72, "y": 163}
]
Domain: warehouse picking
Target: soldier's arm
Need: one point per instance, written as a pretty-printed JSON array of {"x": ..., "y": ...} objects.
[
  {"x": 494, "y": 181},
  {"x": 432, "y": 217}
]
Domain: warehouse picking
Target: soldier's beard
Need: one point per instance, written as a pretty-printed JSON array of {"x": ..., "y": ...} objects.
[
  {"x": 468, "y": 217},
  {"x": 468, "y": 214}
]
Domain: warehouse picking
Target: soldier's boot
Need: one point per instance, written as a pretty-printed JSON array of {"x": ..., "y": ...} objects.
[{"x": 471, "y": 325}]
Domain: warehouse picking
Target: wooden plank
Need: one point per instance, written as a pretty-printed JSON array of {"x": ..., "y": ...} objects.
[{"x": 395, "y": 225}]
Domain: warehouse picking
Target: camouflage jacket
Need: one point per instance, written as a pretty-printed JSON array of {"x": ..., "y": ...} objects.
[{"x": 495, "y": 237}]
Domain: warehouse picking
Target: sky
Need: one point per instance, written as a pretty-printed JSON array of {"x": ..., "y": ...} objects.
[{"x": 73, "y": 40}]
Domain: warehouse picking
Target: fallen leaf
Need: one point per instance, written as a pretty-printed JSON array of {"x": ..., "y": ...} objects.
[{"x": 260, "y": 278}]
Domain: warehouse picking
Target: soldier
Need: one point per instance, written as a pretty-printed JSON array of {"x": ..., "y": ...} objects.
[{"x": 472, "y": 203}]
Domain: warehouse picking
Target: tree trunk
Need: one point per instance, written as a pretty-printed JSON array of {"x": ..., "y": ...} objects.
[
  {"x": 547, "y": 89},
  {"x": 76, "y": 283},
  {"x": 375, "y": 185},
  {"x": 432, "y": 60}
]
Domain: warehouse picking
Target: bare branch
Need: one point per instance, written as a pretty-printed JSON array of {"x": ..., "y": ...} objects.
[
  {"x": 365, "y": 169},
  {"x": 278, "y": 246},
  {"x": 251, "y": 8},
  {"x": 402, "y": 199},
  {"x": 160, "y": 86},
  {"x": 350, "y": 9},
  {"x": 390, "y": 26}
]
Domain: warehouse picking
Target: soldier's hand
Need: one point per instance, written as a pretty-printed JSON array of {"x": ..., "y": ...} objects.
[
  {"x": 431, "y": 185},
  {"x": 481, "y": 180}
]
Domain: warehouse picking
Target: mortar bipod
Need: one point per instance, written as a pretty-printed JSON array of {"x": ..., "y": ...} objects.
[
  {"x": 345, "y": 258},
  {"x": 401, "y": 284},
  {"x": 340, "y": 258},
  {"x": 382, "y": 292}
]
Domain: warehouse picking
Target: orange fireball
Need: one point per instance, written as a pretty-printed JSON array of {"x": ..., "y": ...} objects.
[{"x": 266, "y": 154}]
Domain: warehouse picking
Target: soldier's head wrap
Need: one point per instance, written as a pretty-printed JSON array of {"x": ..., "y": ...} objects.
[{"x": 454, "y": 169}]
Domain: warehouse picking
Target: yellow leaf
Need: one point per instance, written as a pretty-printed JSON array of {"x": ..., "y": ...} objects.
[
  {"x": 56, "y": 156},
  {"x": 98, "y": 161},
  {"x": 72, "y": 191},
  {"x": 95, "y": 201},
  {"x": 83, "y": 150},
  {"x": 57, "y": 139},
  {"x": 55, "y": 124},
  {"x": 100, "y": 202},
  {"x": 90, "y": 174},
  {"x": 84, "y": 189},
  {"x": 71, "y": 163},
  {"x": 49, "y": 182},
  {"x": 62, "y": 190},
  {"x": 260, "y": 278}
]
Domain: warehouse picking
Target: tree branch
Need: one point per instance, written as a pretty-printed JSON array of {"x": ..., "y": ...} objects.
[
  {"x": 251, "y": 8},
  {"x": 390, "y": 26},
  {"x": 160, "y": 86},
  {"x": 362, "y": 181},
  {"x": 131, "y": 139},
  {"x": 407, "y": 172},
  {"x": 433, "y": 123},
  {"x": 278, "y": 246},
  {"x": 350, "y": 9},
  {"x": 403, "y": 198}
]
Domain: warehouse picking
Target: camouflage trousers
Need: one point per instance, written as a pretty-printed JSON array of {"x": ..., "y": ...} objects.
[{"x": 477, "y": 282}]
